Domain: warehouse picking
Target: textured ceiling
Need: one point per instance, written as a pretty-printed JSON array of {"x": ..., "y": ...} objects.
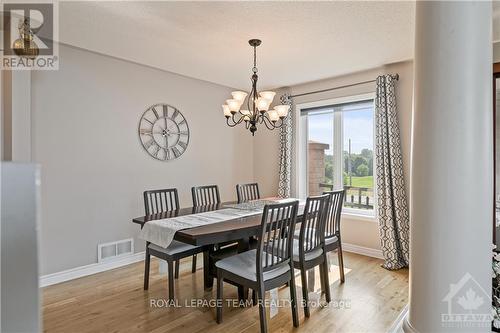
[{"x": 302, "y": 41}]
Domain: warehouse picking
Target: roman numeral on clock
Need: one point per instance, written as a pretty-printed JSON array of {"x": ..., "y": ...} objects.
[
  {"x": 176, "y": 113},
  {"x": 149, "y": 143},
  {"x": 165, "y": 111},
  {"x": 155, "y": 112},
  {"x": 176, "y": 152},
  {"x": 156, "y": 150},
  {"x": 149, "y": 121}
]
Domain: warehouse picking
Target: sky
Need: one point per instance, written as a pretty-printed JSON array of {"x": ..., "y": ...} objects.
[{"x": 358, "y": 126}]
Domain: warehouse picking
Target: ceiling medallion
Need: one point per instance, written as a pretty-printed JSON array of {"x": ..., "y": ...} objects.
[{"x": 258, "y": 103}]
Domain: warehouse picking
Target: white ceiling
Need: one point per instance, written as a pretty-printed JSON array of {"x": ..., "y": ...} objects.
[{"x": 302, "y": 41}]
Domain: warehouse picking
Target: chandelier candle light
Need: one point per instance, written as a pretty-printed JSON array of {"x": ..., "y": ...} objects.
[{"x": 257, "y": 104}]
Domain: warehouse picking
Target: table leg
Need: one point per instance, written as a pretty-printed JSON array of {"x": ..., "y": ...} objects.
[
  {"x": 208, "y": 280},
  {"x": 243, "y": 245}
]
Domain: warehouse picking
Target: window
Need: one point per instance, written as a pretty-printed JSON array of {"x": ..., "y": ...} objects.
[{"x": 336, "y": 150}]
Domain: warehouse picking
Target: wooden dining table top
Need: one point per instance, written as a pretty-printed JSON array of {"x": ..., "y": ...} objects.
[{"x": 230, "y": 230}]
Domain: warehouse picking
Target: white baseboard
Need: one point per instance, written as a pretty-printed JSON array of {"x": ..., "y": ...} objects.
[
  {"x": 77, "y": 272},
  {"x": 397, "y": 326},
  {"x": 366, "y": 251}
]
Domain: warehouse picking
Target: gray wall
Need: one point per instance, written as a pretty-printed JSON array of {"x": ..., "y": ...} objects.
[{"x": 94, "y": 169}]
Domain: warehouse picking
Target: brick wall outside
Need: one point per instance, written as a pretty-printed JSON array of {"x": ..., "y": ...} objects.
[{"x": 316, "y": 166}]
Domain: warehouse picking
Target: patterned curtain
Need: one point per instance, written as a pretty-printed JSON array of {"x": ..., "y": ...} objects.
[
  {"x": 285, "y": 168},
  {"x": 393, "y": 212}
]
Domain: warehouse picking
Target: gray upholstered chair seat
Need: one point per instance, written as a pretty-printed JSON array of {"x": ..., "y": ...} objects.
[
  {"x": 244, "y": 265},
  {"x": 173, "y": 248},
  {"x": 331, "y": 240},
  {"x": 309, "y": 256},
  {"x": 328, "y": 241}
]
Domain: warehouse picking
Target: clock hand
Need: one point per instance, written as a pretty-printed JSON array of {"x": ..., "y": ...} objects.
[{"x": 146, "y": 132}]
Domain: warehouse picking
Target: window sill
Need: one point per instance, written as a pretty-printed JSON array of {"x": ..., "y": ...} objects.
[{"x": 359, "y": 217}]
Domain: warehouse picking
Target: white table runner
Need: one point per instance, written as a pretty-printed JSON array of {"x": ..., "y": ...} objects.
[{"x": 161, "y": 232}]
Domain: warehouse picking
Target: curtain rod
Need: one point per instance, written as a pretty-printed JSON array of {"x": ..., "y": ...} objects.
[{"x": 395, "y": 76}]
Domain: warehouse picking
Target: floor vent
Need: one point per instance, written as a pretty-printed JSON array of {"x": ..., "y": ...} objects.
[{"x": 113, "y": 250}]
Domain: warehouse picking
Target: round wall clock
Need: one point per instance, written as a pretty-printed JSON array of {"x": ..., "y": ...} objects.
[{"x": 164, "y": 132}]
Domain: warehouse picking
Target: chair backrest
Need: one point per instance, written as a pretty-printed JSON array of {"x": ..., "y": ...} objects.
[
  {"x": 332, "y": 226},
  {"x": 160, "y": 201},
  {"x": 275, "y": 244},
  {"x": 312, "y": 235},
  {"x": 205, "y": 195},
  {"x": 247, "y": 192},
  {"x": 204, "y": 209}
]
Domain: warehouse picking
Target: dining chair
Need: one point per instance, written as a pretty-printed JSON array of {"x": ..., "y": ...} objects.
[
  {"x": 309, "y": 251},
  {"x": 206, "y": 198},
  {"x": 162, "y": 201},
  {"x": 332, "y": 227},
  {"x": 205, "y": 195},
  {"x": 247, "y": 192},
  {"x": 260, "y": 269}
]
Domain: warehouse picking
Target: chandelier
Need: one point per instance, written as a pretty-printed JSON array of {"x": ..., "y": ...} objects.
[
  {"x": 25, "y": 46},
  {"x": 257, "y": 105}
]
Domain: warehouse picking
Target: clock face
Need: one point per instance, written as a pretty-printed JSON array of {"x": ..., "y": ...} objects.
[{"x": 164, "y": 132}]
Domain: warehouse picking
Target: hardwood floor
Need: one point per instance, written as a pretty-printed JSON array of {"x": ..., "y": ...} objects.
[{"x": 114, "y": 301}]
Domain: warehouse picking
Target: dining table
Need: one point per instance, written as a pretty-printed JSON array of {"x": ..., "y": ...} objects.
[{"x": 241, "y": 230}]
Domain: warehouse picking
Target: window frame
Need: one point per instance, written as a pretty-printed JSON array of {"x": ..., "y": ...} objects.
[{"x": 300, "y": 167}]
